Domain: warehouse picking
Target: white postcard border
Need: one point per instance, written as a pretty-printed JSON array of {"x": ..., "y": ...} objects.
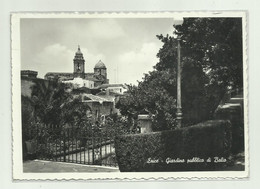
[{"x": 18, "y": 173}]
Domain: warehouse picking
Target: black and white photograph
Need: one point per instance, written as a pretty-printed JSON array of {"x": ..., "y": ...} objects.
[{"x": 129, "y": 95}]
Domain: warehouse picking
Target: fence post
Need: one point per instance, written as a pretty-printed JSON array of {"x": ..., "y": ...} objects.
[
  {"x": 101, "y": 145},
  {"x": 64, "y": 146},
  {"x": 93, "y": 147}
]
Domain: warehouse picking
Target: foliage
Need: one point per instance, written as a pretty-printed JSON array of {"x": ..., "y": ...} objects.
[
  {"x": 204, "y": 141},
  {"x": 53, "y": 141},
  {"x": 211, "y": 56},
  {"x": 27, "y": 117},
  {"x": 233, "y": 113},
  {"x": 217, "y": 44},
  {"x": 57, "y": 106},
  {"x": 50, "y": 105},
  {"x": 115, "y": 125}
]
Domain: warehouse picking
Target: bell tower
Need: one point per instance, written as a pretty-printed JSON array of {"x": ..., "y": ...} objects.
[{"x": 79, "y": 64}]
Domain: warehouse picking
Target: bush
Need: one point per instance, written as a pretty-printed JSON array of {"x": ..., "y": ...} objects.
[{"x": 205, "y": 140}]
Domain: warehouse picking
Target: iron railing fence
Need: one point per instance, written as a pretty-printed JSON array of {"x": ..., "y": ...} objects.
[{"x": 84, "y": 145}]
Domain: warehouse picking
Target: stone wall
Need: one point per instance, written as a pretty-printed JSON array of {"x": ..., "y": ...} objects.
[{"x": 26, "y": 87}]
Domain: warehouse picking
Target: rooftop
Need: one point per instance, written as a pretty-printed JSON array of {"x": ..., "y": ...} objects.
[
  {"x": 29, "y": 73},
  {"x": 100, "y": 64},
  {"x": 94, "y": 98},
  {"x": 104, "y": 86},
  {"x": 79, "y": 52},
  {"x": 111, "y": 93},
  {"x": 58, "y": 73}
]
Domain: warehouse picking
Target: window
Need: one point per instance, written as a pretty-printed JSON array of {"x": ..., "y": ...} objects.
[{"x": 97, "y": 114}]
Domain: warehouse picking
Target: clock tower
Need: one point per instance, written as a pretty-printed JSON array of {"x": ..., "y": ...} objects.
[{"x": 79, "y": 64}]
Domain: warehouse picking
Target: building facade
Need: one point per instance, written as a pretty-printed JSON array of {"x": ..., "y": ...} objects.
[
  {"x": 79, "y": 82},
  {"x": 100, "y": 107},
  {"x": 114, "y": 88},
  {"x": 98, "y": 77}
]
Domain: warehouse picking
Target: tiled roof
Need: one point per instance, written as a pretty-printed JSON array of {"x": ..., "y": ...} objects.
[
  {"x": 104, "y": 86},
  {"x": 89, "y": 76},
  {"x": 59, "y": 73},
  {"x": 111, "y": 93},
  {"x": 94, "y": 98}
]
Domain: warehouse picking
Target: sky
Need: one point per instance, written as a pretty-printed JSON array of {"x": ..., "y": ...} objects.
[{"x": 127, "y": 46}]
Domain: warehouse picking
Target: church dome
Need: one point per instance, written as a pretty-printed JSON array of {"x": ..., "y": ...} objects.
[{"x": 100, "y": 64}]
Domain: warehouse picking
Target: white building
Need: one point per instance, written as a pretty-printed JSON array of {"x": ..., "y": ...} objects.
[
  {"x": 115, "y": 88},
  {"x": 79, "y": 82}
]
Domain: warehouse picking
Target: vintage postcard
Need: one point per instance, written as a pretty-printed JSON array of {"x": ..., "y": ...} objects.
[{"x": 129, "y": 96}]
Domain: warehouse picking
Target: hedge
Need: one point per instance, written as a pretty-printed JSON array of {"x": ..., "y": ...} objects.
[{"x": 149, "y": 152}]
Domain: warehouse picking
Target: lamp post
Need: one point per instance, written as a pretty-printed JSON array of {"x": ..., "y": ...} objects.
[{"x": 179, "y": 70}]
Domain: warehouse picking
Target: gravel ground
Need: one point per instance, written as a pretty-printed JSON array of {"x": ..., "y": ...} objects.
[{"x": 39, "y": 166}]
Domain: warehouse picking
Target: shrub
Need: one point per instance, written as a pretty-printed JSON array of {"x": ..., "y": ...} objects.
[{"x": 205, "y": 140}]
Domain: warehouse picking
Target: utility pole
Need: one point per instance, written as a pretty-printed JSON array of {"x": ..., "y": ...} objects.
[{"x": 179, "y": 70}]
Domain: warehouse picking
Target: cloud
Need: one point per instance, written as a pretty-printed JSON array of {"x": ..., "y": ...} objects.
[
  {"x": 53, "y": 58},
  {"x": 133, "y": 64},
  {"x": 105, "y": 29},
  {"x": 178, "y": 20},
  {"x": 128, "y": 47}
]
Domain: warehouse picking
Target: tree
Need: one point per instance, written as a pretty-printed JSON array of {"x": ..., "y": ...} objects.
[
  {"x": 220, "y": 48},
  {"x": 54, "y": 105},
  {"x": 214, "y": 44},
  {"x": 211, "y": 55}
]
